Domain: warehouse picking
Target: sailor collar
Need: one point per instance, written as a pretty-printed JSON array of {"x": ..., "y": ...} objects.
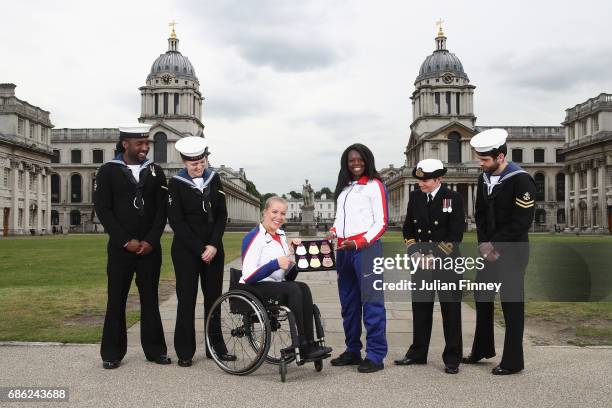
[
  {"x": 267, "y": 236},
  {"x": 184, "y": 177},
  {"x": 510, "y": 171},
  {"x": 118, "y": 159}
]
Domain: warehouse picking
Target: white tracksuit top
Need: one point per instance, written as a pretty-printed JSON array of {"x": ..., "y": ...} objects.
[{"x": 362, "y": 209}]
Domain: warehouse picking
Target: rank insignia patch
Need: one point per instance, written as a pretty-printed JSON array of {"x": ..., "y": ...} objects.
[
  {"x": 419, "y": 172},
  {"x": 526, "y": 197},
  {"x": 525, "y": 203}
]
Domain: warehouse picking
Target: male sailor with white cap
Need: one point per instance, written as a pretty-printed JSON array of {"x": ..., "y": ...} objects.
[
  {"x": 504, "y": 213},
  {"x": 197, "y": 213},
  {"x": 433, "y": 229},
  {"x": 130, "y": 201}
]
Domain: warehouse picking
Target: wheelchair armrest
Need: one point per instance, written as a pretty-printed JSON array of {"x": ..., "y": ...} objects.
[{"x": 235, "y": 275}]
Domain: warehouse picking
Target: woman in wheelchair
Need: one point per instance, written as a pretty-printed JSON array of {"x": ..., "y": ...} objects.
[{"x": 268, "y": 271}]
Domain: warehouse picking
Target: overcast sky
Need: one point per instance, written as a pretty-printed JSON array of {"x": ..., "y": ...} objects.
[{"x": 289, "y": 84}]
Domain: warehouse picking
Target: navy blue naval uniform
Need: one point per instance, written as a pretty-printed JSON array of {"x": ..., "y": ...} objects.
[
  {"x": 431, "y": 231},
  {"x": 131, "y": 210},
  {"x": 198, "y": 218},
  {"x": 504, "y": 213}
]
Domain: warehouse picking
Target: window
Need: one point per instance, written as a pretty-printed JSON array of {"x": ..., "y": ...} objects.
[
  {"x": 75, "y": 217},
  {"x": 437, "y": 101},
  {"x": 98, "y": 156},
  {"x": 20, "y": 180},
  {"x": 32, "y": 183},
  {"x": 55, "y": 188},
  {"x": 517, "y": 155},
  {"x": 540, "y": 216},
  {"x": 560, "y": 186},
  {"x": 538, "y": 155},
  {"x": 558, "y": 156},
  {"x": 165, "y": 103},
  {"x": 448, "y": 103},
  {"x": 44, "y": 183},
  {"x": 54, "y": 217},
  {"x": 583, "y": 180},
  {"x": 20, "y": 217},
  {"x": 76, "y": 193},
  {"x": 44, "y": 132},
  {"x": 560, "y": 216},
  {"x": 160, "y": 148},
  {"x": 56, "y": 156},
  {"x": 75, "y": 156},
  {"x": 594, "y": 214},
  {"x": 457, "y": 103},
  {"x": 6, "y": 177},
  {"x": 156, "y": 104},
  {"x": 540, "y": 182},
  {"x": 32, "y": 131},
  {"x": 176, "y": 104},
  {"x": 454, "y": 148},
  {"x": 594, "y": 178}
]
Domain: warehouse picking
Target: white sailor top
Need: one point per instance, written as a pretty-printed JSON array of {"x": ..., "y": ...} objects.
[
  {"x": 260, "y": 253},
  {"x": 361, "y": 212}
]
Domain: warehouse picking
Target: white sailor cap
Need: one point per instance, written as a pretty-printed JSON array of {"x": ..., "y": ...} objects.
[
  {"x": 428, "y": 169},
  {"x": 192, "y": 148},
  {"x": 489, "y": 140},
  {"x": 134, "y": 130}
]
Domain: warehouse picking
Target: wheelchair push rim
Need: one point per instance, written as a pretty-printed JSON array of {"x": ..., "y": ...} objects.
[
  {"x": 280, "y": 337},
  {"x": 238, "y": 323}
]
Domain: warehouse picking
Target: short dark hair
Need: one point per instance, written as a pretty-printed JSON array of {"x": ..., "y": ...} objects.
[{"x": 495, "y": 152}]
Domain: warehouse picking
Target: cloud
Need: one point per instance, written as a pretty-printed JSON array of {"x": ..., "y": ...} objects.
[
  {"x": 556, "y": 69},
  {"x": 286, "y": 36}
]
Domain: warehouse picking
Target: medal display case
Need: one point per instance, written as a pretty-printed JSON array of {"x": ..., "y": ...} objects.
[{"x": 315, "y": 255}]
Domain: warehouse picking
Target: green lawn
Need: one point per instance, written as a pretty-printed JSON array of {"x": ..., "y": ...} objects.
[
  {"x": 54, "y": 288},
  {"x": 568, "y": 285}
]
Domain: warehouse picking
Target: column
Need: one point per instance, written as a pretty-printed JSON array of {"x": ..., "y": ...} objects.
[
  {"x": 48, "y": 196},
  {"x": 39, "y": 202},
  {"x": 589, "y": 198},
  {"x": 15, "y": 205},
  {"x": 470, "y": 202},
  {"x": 567, "y": 200},
  {"x": 26, "y": 199},
  {"x": 603, "y": 205},
  {"x": 577, "y": 197}
]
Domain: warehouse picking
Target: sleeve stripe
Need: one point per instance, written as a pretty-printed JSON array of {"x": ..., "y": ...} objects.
[
  {"x": 246, "y": 244},
  {"x": 383, "y": 194}
]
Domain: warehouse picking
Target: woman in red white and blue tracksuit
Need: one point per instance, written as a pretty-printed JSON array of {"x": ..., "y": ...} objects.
[{"x": 361, "y": 219}]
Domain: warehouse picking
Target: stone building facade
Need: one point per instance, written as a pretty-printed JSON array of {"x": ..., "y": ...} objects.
[
  {"x": 588, "y": 165},
  {"x": 171, "y": 103},
  {"x": 25, "y": 166},
  {"x": 443, "y": 124}
]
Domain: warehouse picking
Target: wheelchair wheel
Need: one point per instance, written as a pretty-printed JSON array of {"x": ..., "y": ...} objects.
[
  {"x": 234, "y": 319},
  {"x": 280, "y": 337}
]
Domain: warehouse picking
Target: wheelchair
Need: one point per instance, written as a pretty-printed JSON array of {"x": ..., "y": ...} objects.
[{"x": 257, "y": 330}]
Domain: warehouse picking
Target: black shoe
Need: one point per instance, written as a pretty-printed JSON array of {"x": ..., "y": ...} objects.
[
  {"x": 368, "y": 366},
  {"x": 163, "y": 360},
  {"x": 503, "y": 371},
  {"x": 451, "y": 370},
  {"x": 409, "y": 361},
  {"x": 185, "y": 363},
  {"x": 346, "y": 358},
  {"x": 223, "y": 356},
  {"x": 471, "y": 359},
  {"x": 316, "y": 351},
  {"x": 109, "y": 365}
]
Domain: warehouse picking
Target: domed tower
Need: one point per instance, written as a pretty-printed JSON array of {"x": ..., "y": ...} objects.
[
  {"x": 442, "y": 108},
  {"x": 171, "y": 102}
]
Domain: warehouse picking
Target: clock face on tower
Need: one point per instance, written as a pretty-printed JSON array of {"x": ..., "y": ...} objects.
[
  {"x": 167, "y": 78},
  {"x": 447, "y": 78}
]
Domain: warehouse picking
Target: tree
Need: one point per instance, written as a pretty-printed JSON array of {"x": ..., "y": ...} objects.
[
  {"x": 324, "y": 190},
  {"x": 251, "y": 189},
  {"x": 262, "y": 200},
  {"x": 295, "y": 195}
]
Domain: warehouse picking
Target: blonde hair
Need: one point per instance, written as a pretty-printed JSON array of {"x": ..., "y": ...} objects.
[{"x": 273, "y": 199}]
